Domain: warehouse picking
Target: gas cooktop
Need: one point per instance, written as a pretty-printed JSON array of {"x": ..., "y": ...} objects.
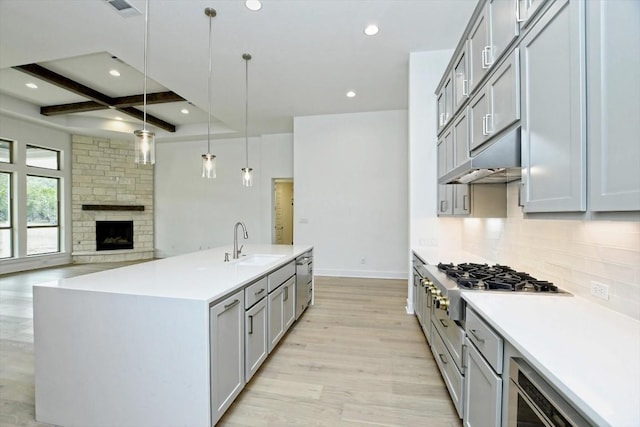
[{"x": 494, "y": 277}]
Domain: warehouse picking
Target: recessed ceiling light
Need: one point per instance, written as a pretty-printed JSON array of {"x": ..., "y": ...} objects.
[
  {"x": 119, "y": 118},
  {"x": 351, "y": 94},
  {"x": 253, "y": 4},
  {"x": 371, "y": 30},
  {"x": 114, "y": 73},
  {"x": 184, "y": 111},
  {"x": 31, "y": 85}
]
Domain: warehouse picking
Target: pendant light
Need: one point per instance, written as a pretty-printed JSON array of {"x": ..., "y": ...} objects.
[
  {"x": 209, "y": 160},
  {"x": 145, "y": 144},
  {"x": 247, "y": 172}
]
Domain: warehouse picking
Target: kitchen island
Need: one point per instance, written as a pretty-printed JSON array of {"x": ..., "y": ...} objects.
[{"x": 132, "y": 347}]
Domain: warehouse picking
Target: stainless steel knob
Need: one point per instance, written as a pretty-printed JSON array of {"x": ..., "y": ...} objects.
[{"x": 442, "y": 303}]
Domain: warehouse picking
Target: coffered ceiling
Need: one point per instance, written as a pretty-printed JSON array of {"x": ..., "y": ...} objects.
[{"x": 306, "y": 55}]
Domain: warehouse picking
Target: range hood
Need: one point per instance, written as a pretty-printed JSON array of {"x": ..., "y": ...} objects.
[{"x": 497, "y": 163}]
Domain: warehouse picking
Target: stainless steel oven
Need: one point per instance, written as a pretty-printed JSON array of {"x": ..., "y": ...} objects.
[{"x": 533, "y": 402}]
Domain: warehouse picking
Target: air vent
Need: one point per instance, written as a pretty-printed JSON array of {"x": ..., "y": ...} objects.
[{"x": 124, "y": 8}]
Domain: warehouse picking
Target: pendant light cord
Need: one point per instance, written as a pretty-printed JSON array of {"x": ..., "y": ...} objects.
[
  {"x": 246, "y": 109},
  {"x": 144, "y": 92},
  {"x": 210, "y": 69}
]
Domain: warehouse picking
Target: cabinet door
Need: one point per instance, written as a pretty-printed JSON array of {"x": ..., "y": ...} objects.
[
  {"x": 483, "y": 391},
  {"x": 504, "y": 95},
  {"x": 256, "y": 348},
  {"x": 289, "y": 300},
  {"x": 503, "y": 25},
  {"x": 441, "y": 109},
  {"x": 445, "y": 153},
  {"x": 226, "y": 328},
  {"x": 478, "y": 48},
  {"x": 553, "y": 100},
  {"x": 478, "y": 118},
  {"x": 461, "y": 205},
  {"x": 445, "y": 200},
  {"x": 448, "y": 99},
  {"x": 461, "y": 138},
  {"x": 276, "y": 317},
  {"x": 460, "y": 79},
  {"x": 613, "y": 105}
]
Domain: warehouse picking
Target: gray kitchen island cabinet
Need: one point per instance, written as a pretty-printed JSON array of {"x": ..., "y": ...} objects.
[
  {"x": 227, "y": 353},
  {"x": 613, "y": 105},
  {"x": 553, "y": 114}
]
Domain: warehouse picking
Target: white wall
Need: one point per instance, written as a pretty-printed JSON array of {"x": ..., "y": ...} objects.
[
  {"x": 193, "y": 213},
  {"x": 24, "y": 133},
  {"x": 351, "y": 192}
]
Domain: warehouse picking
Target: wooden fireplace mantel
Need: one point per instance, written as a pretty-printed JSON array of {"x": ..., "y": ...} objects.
[{"x": 113, "y": 207}]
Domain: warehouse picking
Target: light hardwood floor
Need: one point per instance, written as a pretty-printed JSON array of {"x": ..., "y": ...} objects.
[{"x": 354, "y": 359}]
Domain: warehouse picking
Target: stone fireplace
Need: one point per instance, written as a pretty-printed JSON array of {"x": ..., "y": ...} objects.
[{"x": 110, "y": 190}]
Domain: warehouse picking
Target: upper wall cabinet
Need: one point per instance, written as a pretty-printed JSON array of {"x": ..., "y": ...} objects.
[
  {"x": 460, "y": 79},
  {"x": 479, "y": 47},
  {"x": 553, "y": 113},
  {"x": 445, "y": 103},
  {"x": 613, "y": 105},
  {"x": 503, "y": 27}
]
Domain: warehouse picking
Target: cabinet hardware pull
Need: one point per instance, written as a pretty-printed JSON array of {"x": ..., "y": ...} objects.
[
  {"x": 465, "y": 87},
  {"x": 442, "y": 358},
  {"x": 475, "y": 335},
  {"x": 518, "y": 18},
  {"x": 286, "y": 293},
  {"x": 234, "y": 303},
  {"x": 489, "y": 119},
  {"x": 443, "y": 323},
  {"x": 484, "y": 126},
  {"x": 441, "y": 119},
  {"x": 465, "y": 198},
  {"x": 259, "y": 292},
  {"x": 250, "y": 325},
  {"x": 485, "y": 57}
]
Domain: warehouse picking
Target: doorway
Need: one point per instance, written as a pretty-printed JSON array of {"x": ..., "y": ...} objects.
[{"x": 283, "y": 211}]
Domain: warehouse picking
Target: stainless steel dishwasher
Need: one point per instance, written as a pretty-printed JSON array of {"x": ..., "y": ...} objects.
[{"x": 304, "y": 282}]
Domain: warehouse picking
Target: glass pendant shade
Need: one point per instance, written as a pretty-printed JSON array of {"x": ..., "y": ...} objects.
[
  {"x": 247, "y": 177},
  {"x": 145, "y": 147},
  {"x": 208, "y": 166}
]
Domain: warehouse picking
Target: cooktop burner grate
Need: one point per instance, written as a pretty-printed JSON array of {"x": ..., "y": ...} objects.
[{"x": 494, "y": 277}]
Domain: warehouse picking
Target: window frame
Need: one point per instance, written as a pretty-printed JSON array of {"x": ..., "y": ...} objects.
[
  {"x": 58, "y": 214},
  {"x": 10, "y": 218},
  {"x": 26, "y": 157}
]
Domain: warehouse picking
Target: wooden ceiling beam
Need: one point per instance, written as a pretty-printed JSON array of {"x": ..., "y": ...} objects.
[{"x": 122, "y": 104}]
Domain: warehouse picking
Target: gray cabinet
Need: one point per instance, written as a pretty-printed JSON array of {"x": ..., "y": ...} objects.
[
  {"x": 289, "y": 300},
  {"x": 276, "y": 317},
  {"x": 478, "y": 45},
  {"x": 483, "y": 391},
  {"x": 613, "y": 105},
  {"x": 497, "y": 105},
  {"x": 461, "y": 138},
  {"x": 553, "y": 98},
  {"x": 227, "y": 353},
  {"x": 256, "y": 326},
  {"x": 504, "y": 28},
  {"x": 460, "y": 79},
  {"x": 445, "y": 103}
]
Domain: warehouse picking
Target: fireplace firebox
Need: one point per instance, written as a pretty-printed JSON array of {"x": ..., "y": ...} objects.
[{"x": 114, "y": 235}]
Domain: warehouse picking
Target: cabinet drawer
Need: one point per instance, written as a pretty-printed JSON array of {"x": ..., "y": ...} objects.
[
  {"x": 453, "y": 379},
  {"x": 488, "y": 343},
  {"x": 255, "y": 292},
  {"x": 452, "y": 333},
  {"x": 279, "y": 276}
]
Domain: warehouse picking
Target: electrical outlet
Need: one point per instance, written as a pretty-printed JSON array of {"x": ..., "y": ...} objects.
[
  {"x": 600, "y": 290},
  {"x": 363, "y": 260}
]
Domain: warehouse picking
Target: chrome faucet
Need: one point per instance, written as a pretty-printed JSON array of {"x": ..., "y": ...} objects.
[{"x": 236, "y": 251}]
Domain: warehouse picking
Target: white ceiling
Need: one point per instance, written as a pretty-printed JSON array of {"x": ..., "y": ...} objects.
[{"x": 306, "y": 55}]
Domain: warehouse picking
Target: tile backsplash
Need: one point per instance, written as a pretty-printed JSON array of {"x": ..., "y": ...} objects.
[{"x": 570, "y": 253}]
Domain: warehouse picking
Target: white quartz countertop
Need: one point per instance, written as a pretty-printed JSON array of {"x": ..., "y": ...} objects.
[
  {"x": 590, "y": 353},
  {"x": 199, "y": 276}
]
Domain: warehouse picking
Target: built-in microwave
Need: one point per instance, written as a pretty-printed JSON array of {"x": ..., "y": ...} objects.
[{"x": 533, "y": 402}]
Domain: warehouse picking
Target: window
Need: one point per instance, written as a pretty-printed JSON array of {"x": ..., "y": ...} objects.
[
  {"x": 5, "y": 151},
  {"x": 6, "y": 232},
  {"x": 43, "y": 158},
  {"x": 43, "y": 230}
]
